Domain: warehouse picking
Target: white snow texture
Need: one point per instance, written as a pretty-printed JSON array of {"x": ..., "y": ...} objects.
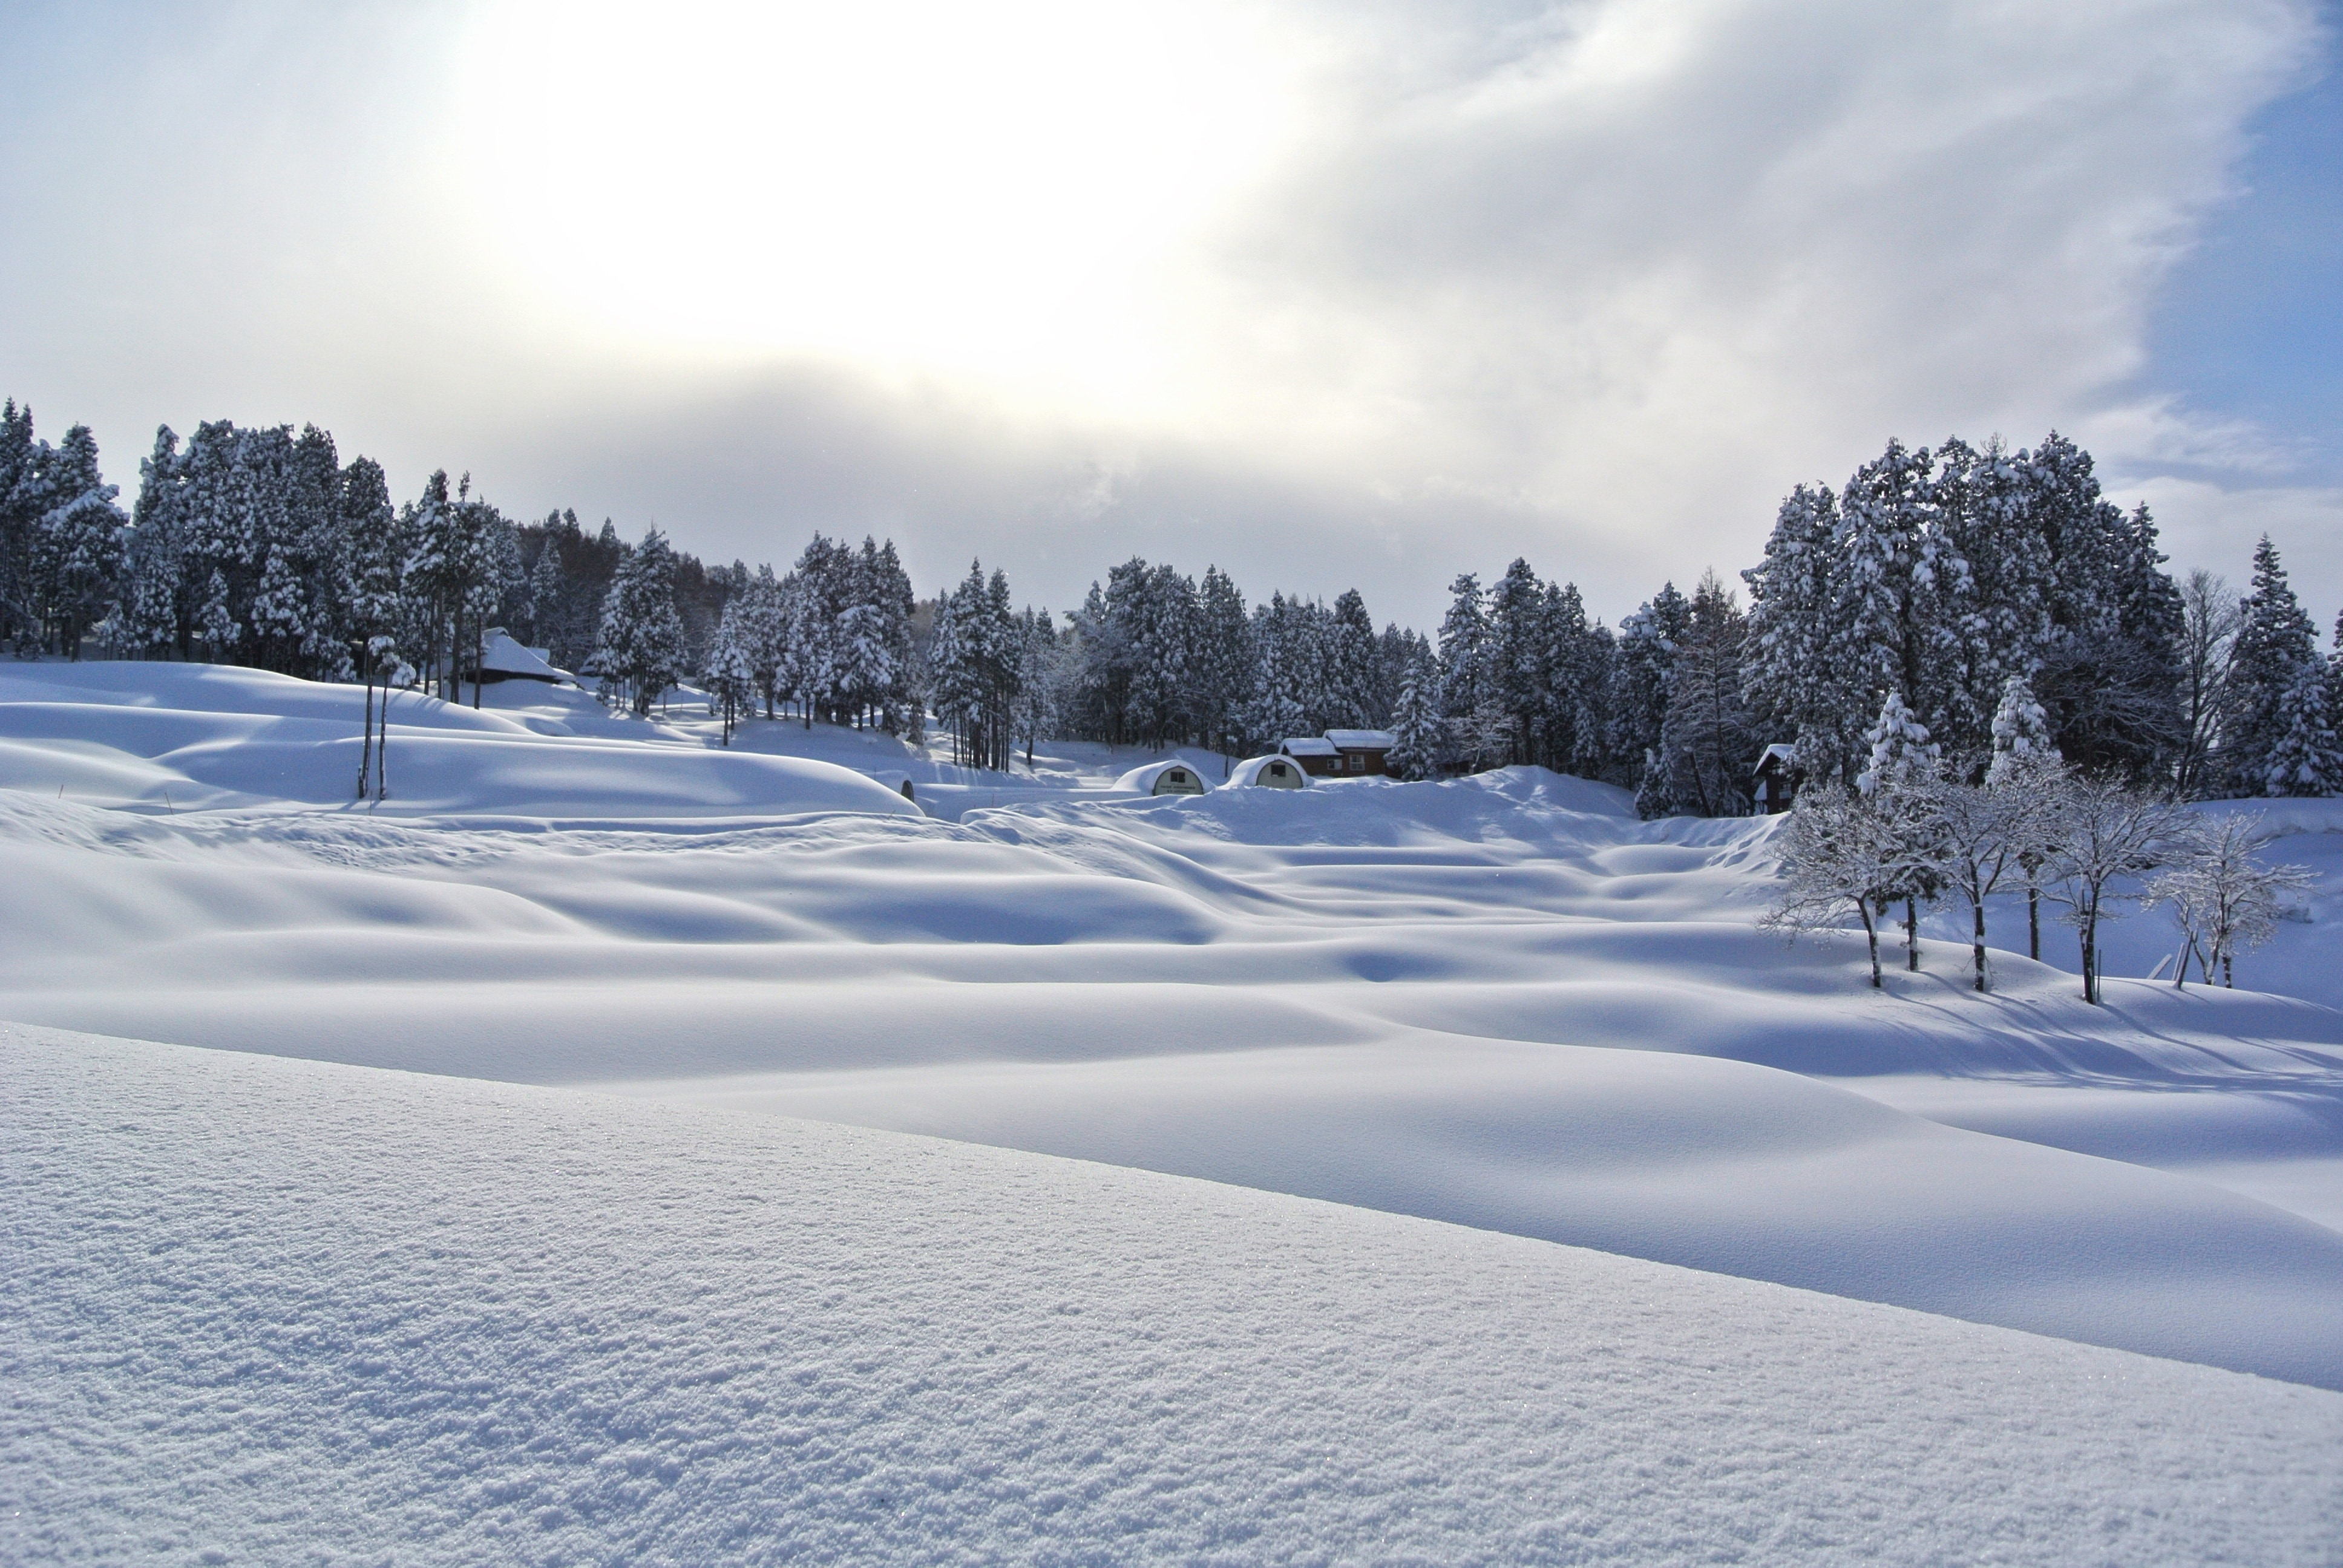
[{"x": 289, "y": 1299}]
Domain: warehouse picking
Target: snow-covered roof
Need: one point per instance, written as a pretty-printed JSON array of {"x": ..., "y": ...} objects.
[
  {"x": 1362, "y": 739},
  {"x": 1308, "y": 745},
  {"x": 501, "y": 655},
  {"x": 1145, "y": 776},
  {"x": 1249, "y": 773},
  {"x": 1781, "y": 748}
]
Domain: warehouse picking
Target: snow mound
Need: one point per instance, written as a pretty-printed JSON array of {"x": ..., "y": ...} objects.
[
  {"x": 267, "y": 1311},
  {"x": 177, "y": 738}
]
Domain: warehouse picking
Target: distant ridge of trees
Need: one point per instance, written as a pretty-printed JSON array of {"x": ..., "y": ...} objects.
[{"x": 1936, "y": 575}]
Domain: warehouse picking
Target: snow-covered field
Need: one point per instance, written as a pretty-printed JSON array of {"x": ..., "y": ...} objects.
[{"x": 639, "y": 1310}]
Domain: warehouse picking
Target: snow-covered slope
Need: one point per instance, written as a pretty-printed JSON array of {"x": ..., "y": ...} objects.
[
  {"x": 274, "y": 1311},
  {"x": 1500, "y": 1000},
  {"x": 179, "y": 738}
]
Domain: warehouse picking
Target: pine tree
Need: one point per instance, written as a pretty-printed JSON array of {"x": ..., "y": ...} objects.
[
  {"x": 2021, "y": 731},
  {"x": 1519, "y": 646},
  {"x": 1352, "y": 676},
  {"x": 77, "y": 543},
  {"x": 1225, "y": 661},
  {"x": 1792, "y": 687},
  {"x": 642, "y": 649},
  {"x": 1904, "y": 767},
  {"x": 730, "y": 674},
  {"x": 1465, "y": 658},
  {"x": 2275, "y": 641},
  {"x": 2307, "y": 759},
  {"x": 1642, "y": 682},
  {"x": 1419, "y": 740},
  {"x": 1708, "y": 743}
]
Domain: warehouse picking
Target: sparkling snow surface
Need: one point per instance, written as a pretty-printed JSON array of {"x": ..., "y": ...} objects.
[
  {"x": 277, "y": 1311},
  {"x": 1500, "y": 1001}
]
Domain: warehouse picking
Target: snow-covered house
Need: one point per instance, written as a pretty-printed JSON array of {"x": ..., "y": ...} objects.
[
  {"x": 1362, "y": 750},
  {"x": 1316, "y": 754},
  {"x": 502, "y": 658},
  {"x": 1267, "y": 772},
  {"x": 1777, "y": 783},
  {"x": 1162, "y": 779}
]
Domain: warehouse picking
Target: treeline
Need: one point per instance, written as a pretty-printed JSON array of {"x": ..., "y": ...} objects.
[{"x": 1932, "y": 577}]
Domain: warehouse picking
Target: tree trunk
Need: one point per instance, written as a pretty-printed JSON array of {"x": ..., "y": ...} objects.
[
  {"x": 1912, "y": 936},
  {"x": 2034, "y": 924},
  {"x": 2091, "y": 952},
  {"x": 1977, "y": 948},
  {"x": 365, "y": 747},
  {"x": 480, "y": 654},
  {"x": 1871, "y": 935}
]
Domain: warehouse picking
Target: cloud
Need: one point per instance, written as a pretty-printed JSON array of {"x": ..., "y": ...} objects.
[{"x": 1594, "y": 283}]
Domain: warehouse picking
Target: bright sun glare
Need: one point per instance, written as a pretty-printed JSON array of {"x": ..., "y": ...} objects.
[{"x": 1009, "y": 195}]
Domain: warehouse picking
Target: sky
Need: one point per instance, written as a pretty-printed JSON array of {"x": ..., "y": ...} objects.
[{"x": 1331, "y": 295}]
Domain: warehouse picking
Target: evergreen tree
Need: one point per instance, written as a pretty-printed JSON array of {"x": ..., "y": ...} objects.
[
  {"x": 1225, "y": 661},
  {"x": 1642, "y": 683},
  {"x": 2021, "y": 731},
  {"x": 642, "y": 649},
  {"x": 1353, "y": 675},
  {"x": 1465, "y": 658},
  {"x": 1708, "y": 740},
  {"x": 77, "y": 543},
  {"x": 1419, "y": 738},
  {"x": 1794, "y": 689},
  {"x": 2276, "y": 641},
  {"x": 731, "y": 675},
  {"x": 2307, "y": 759},
  {"x": 1519, "y": 672}
]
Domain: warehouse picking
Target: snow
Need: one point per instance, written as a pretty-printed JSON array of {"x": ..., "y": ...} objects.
[
  {"x": 1501, "y": 1002},
  {"x": 268, "y": 1309},
  {"x": 183, "y": 737},
  {"x": 1247, "y": 774}
]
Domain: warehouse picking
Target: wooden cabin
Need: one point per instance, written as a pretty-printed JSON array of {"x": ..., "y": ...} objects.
[
  {"x": 1318, "y": 756},
  {"x": 1363, "y": 751},
  {"x": 1776, "y": 782}
]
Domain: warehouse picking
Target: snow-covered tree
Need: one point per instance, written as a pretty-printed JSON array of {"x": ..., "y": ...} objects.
[
  {"x": 731, "y": 671},
  {"x": 1419, "y": 738},
  {"x": 1839, "y": 856},
  {"x": 2222, "y": 894},
  {"x": 2106, "y": 834},
  {"x": 1708, "y": 742},
  {"x": 642, "y": 648},
  {"x": 76, "y": 544},
  {"x": 2307, "y": 758},
  {"x": 1900, "y": 779},
  {"x": 1466, "y": 659},
  {"x": 2275, "y": 639}
]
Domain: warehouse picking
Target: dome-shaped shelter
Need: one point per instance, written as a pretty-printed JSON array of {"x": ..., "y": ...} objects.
[
  {"x": 1173, "y": 778},
  {"x": 1268, "y": 773}
]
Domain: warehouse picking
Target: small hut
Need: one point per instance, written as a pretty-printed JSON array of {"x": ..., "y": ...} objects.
[
  {"x": 1777, "y": 783},
  {"x": 1317, "y": 755},
  {"x": 1363, "y": 751},
  {"x": 1268, "y": 773},
  {"x": 1162, "y": 779},
  {"x": 502, "y": 658}
]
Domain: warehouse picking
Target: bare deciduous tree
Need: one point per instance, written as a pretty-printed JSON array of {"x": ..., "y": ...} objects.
[
  {"x": 1838, "y": 858},
  {"x": 2223, "y": 895}
]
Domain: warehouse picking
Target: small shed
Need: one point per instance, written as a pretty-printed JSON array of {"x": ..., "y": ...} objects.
[
  {"x": 1776, "y": 782},
  {"x": 1162, "y": 779},
  {"x": 502, "y": 658},
  {"x": 1268, "y": 773},
  {"x": 1317, "y": 755},
  {"x": 1363, "y": 751}
]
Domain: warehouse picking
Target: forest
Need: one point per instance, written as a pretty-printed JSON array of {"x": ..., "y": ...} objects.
[{"x": 1930, "y": 581}]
